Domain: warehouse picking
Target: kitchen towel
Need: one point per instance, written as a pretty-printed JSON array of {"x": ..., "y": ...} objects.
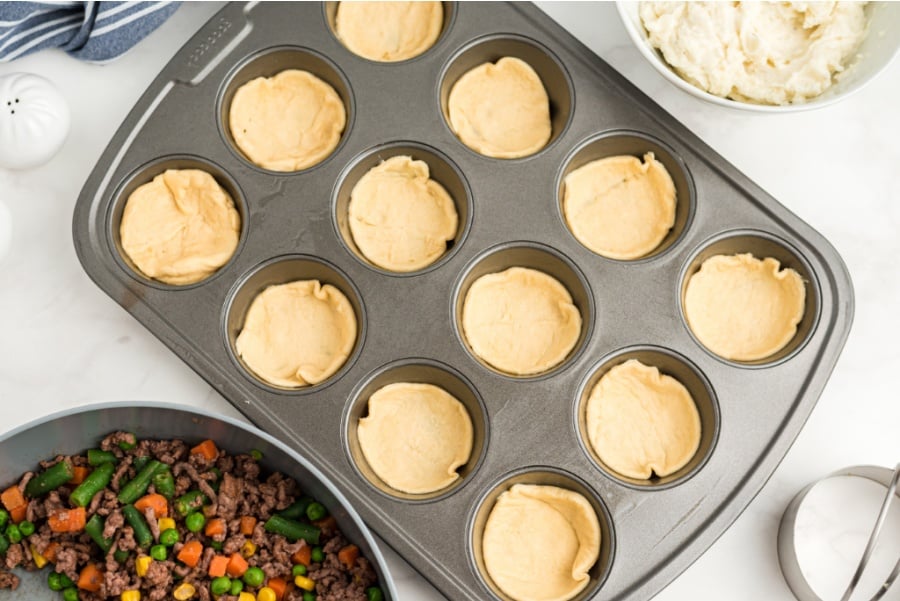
[{"x": 90, "y": 31}]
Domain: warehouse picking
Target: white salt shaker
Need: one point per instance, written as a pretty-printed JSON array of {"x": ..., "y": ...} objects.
[{"x": 34, "y": 120}]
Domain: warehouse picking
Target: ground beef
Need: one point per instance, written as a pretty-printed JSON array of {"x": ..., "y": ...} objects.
[{"x": 8, "y": 580}]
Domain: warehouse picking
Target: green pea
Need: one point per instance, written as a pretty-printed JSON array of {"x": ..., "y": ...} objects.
[
  {"x": 65, "y": 581},
  {"x": 217, "y": 545},
  {"x": 316, "y": 511},
  {"x": 256, "y": 454},
  {"x": 54, "y": 582},
  {"x": 236, "y": 587},
  {"x": 298, "y": 570},
  {"x": 4, "y": 517},
  {"x": 220, "y": 585},
  {"x": 254, "y": 577},
  {"x": 373, "y": 593},
  {"x": 13, "y": 534},
  {"x": 169, "y": 537},
  {"x": 317, "y": 555},
  {"x": 26, "y": 528},
  {"x": 70, "y": 594},
  {"x": 195, "y": 521},
  {"x": 159, "y": 552},
  {"x": 121, "y": 556},
  {"x": 309, "y": 596}
]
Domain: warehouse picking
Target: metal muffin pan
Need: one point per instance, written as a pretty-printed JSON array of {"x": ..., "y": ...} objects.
[{"x": 526, "y": 429}]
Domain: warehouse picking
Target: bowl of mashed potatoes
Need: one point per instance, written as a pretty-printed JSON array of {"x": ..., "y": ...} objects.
[{"x": 762, "y": 56}]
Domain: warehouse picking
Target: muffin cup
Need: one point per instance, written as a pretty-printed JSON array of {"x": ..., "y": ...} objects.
[
  {"x": 542, "y": 476},
  {"x": 671, "y": 364},
  {"x": 282, "y": 270},
  {"x": 419, "y": 371}
]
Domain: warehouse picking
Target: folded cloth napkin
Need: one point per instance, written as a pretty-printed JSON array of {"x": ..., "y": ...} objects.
[{"x": 91, "y": 31}]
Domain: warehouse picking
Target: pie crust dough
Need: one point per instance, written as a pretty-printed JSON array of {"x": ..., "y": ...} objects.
[
  {"x": 400, "y": 219},
  {"x": 415, "y": 437},
  {"x": 540, "y": 542},
  {"x": 287, "y": 122},
  {"x": 743, "y": 308},
  {"x": 180, "y": 228},
  {"x": 501, "y": 110},
  {"x": 641, "y": 422},
  {"x": 620, "y": 207},
  {"x": 521, "y": 321},
  {"x": 388, "y": 31},
  {"x": 297, "y": 334}
]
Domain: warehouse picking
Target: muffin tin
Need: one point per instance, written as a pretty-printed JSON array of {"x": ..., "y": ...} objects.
[{"x": 527, "y": 429}]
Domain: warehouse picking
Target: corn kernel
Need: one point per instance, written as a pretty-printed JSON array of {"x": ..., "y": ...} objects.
[
  {"x": 39, "y": 560},
  {"x": 245, "y": 596},
  {"x": 266, "y": 594},
  {"x": 166, "y": 524},
  {"x": 184, "y": 591},
  {"x": 248, "y": 549},
  {"x": 305, "y": 583},
  {"x": 142, "y": 564},
  {"x": 133, "y": 595}
]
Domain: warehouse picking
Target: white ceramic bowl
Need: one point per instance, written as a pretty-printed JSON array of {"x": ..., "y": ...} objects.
[{"x": 881, "y": 45}]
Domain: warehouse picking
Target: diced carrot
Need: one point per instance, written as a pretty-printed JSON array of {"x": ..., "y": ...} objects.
[
  {"x": 157, "y": 502},
  {"x": 207, "y": 448},
  {"x": 67, "y": 520},
  {"x": 279, "y": 586},
  {"x": 217, "y": 566},
  {"x": 12, "y": 498},
  {"x": 50, "y": 552},
  {"x": 303, "y": 555},
  {"x": 248, "y": 523},
  {"x": 80, "y": 472},
  {"x": 190, "y": 553},
  {"x": 348, "y": 555},
  {"x": 90, "y": 578},
  {"x": 237, "y": 565},
  {"x": 326, "y": 523},
  {"x": 215, "y": 526},
  {"x": 18, "y": 514}
]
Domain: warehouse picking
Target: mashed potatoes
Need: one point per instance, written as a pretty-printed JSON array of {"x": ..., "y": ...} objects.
[{"x": 759, "y": 52}]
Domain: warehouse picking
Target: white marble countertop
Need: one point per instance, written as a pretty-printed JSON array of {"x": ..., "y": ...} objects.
[{"x": 65, "y": 343}]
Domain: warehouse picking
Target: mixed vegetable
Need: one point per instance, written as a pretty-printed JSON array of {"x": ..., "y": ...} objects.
[{"x": 151, "y": 520}]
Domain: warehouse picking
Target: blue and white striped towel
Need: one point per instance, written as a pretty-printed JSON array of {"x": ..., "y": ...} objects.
[{"x": 91, "y": 31}]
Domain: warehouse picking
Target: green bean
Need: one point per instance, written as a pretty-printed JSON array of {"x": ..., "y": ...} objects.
[
  {"x": 164, "y": 483},
  {"x": 132, "y": 491},
  {"x": 189, "y": 502},
  {"x": 297, "y": 509},
  {"x": 217, "y": 545},
  {"x": 140, "y": 462},
  {"x": 94, "y": 483},
  {"x": 316, "y": 511},
  {"x": 94, "y": 528},
  {"x": 4, "y": 544},
  {"x": 373, "y": 593},
  {"x": 135, "y": 519},
  {"x": 98, "y": 457},
  {"x": 120, "y": 556},
  {"x": 292, "y": 530},
  {"x": 50, "y": 479},
  {"x": 26, "y": 528},
  {"x": 127, "y": 445}
]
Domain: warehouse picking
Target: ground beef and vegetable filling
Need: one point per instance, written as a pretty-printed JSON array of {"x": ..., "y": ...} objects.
[{"x": 150, "y": 520}]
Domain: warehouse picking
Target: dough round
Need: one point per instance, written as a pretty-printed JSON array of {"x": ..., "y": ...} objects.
[
  {"x": 620, "y": 207},
  {"x": 760, "y": 52},
  {"x": 743, "y": 308},
  {"x": 388, "y": 31},
  {"x": 288, "y": 122},
  {"x": 521, "y": 321},
  {"x": 180, "y": 228},
  {"x": 297, "y": 334},
  {"x": 540, "y": 542},
  {"x": 641, "y": 422},
  {"x": 400, "y": 219},
  {"x": 415, "y": 437},
  {"x": 501, "y": 110}
]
